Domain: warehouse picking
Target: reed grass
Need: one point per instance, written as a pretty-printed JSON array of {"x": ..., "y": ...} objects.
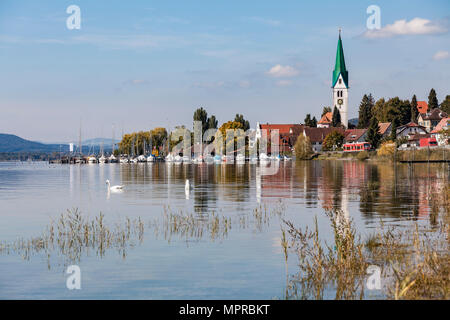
[{"x": 414, "y": 261}]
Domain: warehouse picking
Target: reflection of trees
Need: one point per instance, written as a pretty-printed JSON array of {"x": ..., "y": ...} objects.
[{"x": 369, "y": 191}]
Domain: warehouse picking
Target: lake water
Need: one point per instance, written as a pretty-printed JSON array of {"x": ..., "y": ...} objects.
[{"x": 243, "y": 261}]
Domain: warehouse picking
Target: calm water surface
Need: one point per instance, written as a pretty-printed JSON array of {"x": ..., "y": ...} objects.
[{"x": 246, "y": 262}]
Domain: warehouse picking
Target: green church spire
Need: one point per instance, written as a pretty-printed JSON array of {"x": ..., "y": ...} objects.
[{"x": 339, "y": 68}]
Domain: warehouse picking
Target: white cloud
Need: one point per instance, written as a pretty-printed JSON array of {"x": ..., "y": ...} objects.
[
  {"x": 416, "y": 26},
  {"x": 279, "y": 71},
  {"x": 441, "y": 55}
]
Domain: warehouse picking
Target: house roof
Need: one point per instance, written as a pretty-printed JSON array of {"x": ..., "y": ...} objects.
[
  {"x": 339, "y": 68},
  {"x": 435, "y": 114},
  {"x": 326, "y": 118},
  {"x": 444, "y": 123},
  {"x": 352, "y": 135},
  {"x": 318, "y": 134},
  {"x": 410, "y": 125},
  {"x": 383, "y": 127},
  {"x": 282, "y": 128},
  {"x": 422, "y": 106}
]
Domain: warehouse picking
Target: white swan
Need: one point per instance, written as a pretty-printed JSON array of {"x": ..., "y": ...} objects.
[
  {"x": 187, "y": 186},
  {"x": 114, "y": 188}
]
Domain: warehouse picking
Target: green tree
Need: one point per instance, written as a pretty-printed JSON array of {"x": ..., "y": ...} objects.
[
  {"x": 325, "y": 110},
  {"x": 336, "y": 120},
  {"x": 365, "y": 111},
  {"x": 245, "y": 124},
  {"x": 333, "y": 141},
  {"x": 212, "y": 122},
  {"x": 314, "y": 122},
  {"x": 373, "y": 135},
  {"x": 445, "y": 105},
  {"x": 201, "y": 115},
  {"x": 393, "y": 135},
  {"x": 432, "y": 100},
  {"x": 378, "y": 109},
  {"x": 303, "y": 149},
  {"x": 414, "y": 110}
]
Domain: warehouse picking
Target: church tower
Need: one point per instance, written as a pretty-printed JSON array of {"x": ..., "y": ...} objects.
[{"x": 340, "y": 84}]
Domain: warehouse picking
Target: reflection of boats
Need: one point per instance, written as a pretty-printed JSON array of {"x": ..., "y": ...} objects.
[
  {"x": 198, "y": 159},
  {"x": 240, "y": 158}
]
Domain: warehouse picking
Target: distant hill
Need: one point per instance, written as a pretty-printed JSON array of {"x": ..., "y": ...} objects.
[
  {"x": 13, "y": 143},
  {"x": 98, "y": 141},
  {"x": 353, "y": 121}
]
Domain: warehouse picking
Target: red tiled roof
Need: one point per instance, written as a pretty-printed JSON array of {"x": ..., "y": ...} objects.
[
  {"x": 282, "y": 128},
  {"x": 445, "y": 122},
  {"x": 326, "y": 118},
  {"x": 422, "y": 106},
  {"x": 318, "y": 134},
  {"x": 383, "y": 127}
]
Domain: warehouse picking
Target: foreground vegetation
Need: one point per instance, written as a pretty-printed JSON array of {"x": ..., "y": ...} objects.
[{"x": 414, "y": 262}]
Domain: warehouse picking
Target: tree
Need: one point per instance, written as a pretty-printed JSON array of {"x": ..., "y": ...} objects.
[
  {"x": 314, "y": 122},
  {"x": 365, "y": 111},
  {"x": 373, "y": 135},
  {"x": 201, "y": 115},
  {"x": 303, "y": 149},
  {"x": 333, "y": 141},
  {"x": 432, "y": 100},
  {"x": 336, "y": 120},
  {"x": 445, "y": 105},
  {"x": 245, "y": 124},
  {"x": 325, "y": 111},
  {"x": 212, "y": 122},
  {"x": 414, "y": 110},
  {"x": 393, "y": 135}
]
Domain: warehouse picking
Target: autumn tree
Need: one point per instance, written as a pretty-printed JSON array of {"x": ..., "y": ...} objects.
[
  {"x": 333, "y": 141},
  {"x": 302, "y": 148}
]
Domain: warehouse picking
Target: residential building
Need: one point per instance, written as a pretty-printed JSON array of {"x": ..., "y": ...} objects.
[
  {"x": 410, "y": 129},
  {"x": 385, "y": 128},
  {"x": 431, "y": 119},
  {"x": 325, "y": 121},
  {"x": 317, "y": 135}
]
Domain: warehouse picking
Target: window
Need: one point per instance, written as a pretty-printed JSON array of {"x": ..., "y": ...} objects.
[{"x": 340, "y": 80}]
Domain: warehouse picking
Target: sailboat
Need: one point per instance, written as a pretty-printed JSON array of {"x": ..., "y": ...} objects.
[{"x": 102, "y": 159}]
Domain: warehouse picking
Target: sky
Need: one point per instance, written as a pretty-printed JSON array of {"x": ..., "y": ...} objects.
[{"x": 136, "y": 65}]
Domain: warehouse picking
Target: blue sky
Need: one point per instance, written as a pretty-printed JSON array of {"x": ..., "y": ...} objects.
[{"x": 141, "y": 64}]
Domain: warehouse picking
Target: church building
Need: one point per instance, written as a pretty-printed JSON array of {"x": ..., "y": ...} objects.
[{"x": 340, "y": 84}]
